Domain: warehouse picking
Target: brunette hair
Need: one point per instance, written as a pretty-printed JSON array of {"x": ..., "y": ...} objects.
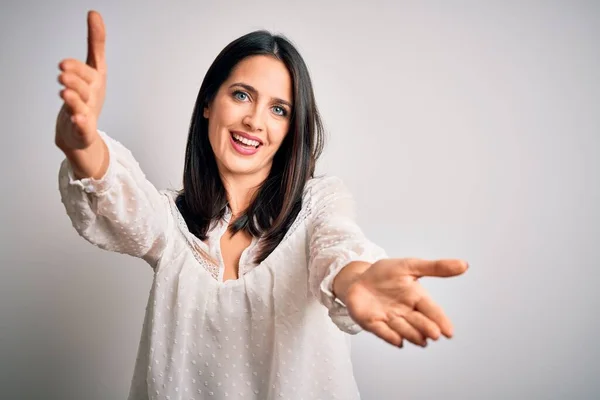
[{"x": 277, "y": 202}]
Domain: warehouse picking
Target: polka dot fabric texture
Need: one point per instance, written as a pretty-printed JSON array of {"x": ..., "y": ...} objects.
[{"x": 277, "y": 332}]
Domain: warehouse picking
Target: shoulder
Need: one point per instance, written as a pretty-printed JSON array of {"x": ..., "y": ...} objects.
[
  {"x": 326, "y": 192},
  {"x": 170, "y": 193},
  {"x": 323, "y": 185},
  {"x": 169, "y": 197}
]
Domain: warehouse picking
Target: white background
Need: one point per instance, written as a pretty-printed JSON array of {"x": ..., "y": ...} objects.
[{"x": 465, "y": 129}]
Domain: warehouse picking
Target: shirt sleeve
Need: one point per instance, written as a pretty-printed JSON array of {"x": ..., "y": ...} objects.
[
  {"x": 122, "y": 211},
  {"x": 335, "y": 240}
]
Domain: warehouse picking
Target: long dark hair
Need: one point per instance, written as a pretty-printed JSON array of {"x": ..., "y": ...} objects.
[{"x": 277, "y": 202}]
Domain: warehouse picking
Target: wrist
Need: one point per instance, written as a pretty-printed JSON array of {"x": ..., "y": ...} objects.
[
  {"x": 346, "y": 277},
  {"x": 91, "y": 162}
]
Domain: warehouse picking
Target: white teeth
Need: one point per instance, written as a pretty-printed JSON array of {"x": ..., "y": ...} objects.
[{"x": 246, "y": 141}]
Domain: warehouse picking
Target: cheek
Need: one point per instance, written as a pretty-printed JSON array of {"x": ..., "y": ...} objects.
[
  {"x": 229, "y": 113},
  {"x": 223, "y": 115},
  {"x": 212, "y": 131},
  {"x": 218, "y": 127},
  {"x": 278, "y": 133},
  {"x": 216, "y": 137}
]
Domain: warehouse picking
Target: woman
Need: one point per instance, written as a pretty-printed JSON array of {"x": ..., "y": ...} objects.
[{"x": 259, "y": 267}]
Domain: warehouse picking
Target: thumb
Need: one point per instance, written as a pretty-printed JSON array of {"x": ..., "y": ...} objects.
[
  {"x": 438, "y": 268},
  {"x": 96, "y": 41}
]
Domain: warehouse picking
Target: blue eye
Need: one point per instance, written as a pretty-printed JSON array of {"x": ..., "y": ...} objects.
[
  {"x": 239, "y": 95},
  {"x": 279, "y": 111}
]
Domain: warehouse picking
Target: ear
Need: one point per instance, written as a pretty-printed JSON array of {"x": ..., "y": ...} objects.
[{"x": 206, "y": 112}]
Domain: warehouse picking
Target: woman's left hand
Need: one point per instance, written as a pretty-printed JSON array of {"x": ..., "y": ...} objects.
[{"x": 388, "y": 301}]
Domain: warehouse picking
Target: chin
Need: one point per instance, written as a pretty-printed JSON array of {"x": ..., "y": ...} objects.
[{"x": 235, "y": 166}]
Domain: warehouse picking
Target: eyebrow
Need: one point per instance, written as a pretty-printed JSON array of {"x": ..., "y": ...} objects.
[{"x": 255, "y": 92}]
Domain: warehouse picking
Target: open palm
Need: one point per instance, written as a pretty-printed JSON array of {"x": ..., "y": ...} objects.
[{"x": 388, "y": 300}]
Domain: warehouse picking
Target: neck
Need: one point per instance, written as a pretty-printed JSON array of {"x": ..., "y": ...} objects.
[{"x": 240, "y": 190}]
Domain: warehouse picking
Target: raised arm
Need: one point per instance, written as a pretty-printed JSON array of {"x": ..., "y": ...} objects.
[
  {"x": 105, "y": 193},
  {"x": 83, "y": 95}
]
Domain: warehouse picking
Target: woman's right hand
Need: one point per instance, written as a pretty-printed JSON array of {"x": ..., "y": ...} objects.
[{"x": 83, "y": 95}]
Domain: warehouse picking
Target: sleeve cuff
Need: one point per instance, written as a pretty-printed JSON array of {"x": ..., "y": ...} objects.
[
  {"x": 91, "y": 185},
  {"x": 338, "y": 311}
]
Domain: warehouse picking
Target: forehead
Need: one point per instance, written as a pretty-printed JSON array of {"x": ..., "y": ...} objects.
[{"x": 268, "y": 75}]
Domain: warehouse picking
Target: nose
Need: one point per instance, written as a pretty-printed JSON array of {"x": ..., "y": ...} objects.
[{"x": 254, "y": 120}]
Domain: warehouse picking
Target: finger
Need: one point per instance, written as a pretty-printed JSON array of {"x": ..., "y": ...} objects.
[
  {"x": 82, "y": 70},
  {"x": 435, "y": 313},
  {"x": 74, "y": 102},
  {"x": 74, "y": 82},
  {"x": 439, "y": 268},
  {"x": 382, "y": 330},
  {"x": 427, "y": 327},
  {"x": 65, "y": 111},
  {"x": 96, "y": 41},
  {"x": 83, "y": 123},
  {"x": 407, "y": 331},
  {"x": 80, "y": 121}
]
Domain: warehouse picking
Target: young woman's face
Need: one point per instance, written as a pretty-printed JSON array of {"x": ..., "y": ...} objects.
[{"x": 250, "y": 116}]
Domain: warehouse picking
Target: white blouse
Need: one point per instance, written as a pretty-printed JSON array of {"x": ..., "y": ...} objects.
[{"x": 277, "y": 332}]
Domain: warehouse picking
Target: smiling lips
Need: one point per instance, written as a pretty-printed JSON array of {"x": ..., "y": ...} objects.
[{"x": 244, "y": 143}]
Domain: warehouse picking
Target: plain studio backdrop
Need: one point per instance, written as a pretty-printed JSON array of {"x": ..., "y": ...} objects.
[{"x": 464, "y": 129}]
